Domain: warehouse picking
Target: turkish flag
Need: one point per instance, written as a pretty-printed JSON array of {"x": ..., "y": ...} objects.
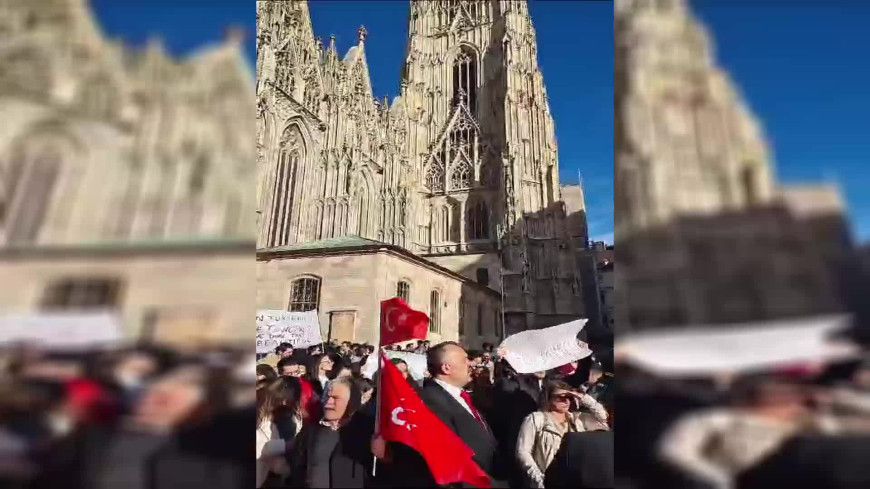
[
  {"x": 404, "y": 418},
  {"x": 401, "y": 323}
]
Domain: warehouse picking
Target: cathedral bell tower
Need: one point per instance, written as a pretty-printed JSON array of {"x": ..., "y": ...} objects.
[
  {"x": 481, "y": 141},
  {"x": 480, "y": 129}
]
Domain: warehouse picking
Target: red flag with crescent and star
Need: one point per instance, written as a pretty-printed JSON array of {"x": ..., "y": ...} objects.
[
  {"x": 401, "y": 323},
  {"x": 404, "y": 418}
]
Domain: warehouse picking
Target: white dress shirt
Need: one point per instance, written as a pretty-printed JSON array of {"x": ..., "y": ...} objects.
[{"x": 455, "y": 392}]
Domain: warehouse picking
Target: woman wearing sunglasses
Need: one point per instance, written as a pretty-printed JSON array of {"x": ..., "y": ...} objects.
[{"x": 542, "y": 431}]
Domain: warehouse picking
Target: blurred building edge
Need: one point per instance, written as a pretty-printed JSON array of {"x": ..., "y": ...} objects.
[
  {"x": 125, "y": 177},
  {"x": 591, "y": 260},
  {"x": 460, "y": 169},
  {"x": 706, "y": 233}
]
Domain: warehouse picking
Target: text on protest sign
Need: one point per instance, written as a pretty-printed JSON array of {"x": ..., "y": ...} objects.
[
  {"x": 543, "y": 349},
  {"x": 300, "y": 329}
]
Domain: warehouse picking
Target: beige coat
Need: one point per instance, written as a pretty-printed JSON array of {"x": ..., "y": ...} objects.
[{"x": 540, "y": 439}]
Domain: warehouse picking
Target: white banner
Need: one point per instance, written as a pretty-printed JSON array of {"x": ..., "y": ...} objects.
[
  {"x": 416, "y": 363},
  {"x": 61, "y": 330},
  {"x": 736, "y": 348},
  {"x": 542, "y": 349},
  {"x": 300, "y": 329}
]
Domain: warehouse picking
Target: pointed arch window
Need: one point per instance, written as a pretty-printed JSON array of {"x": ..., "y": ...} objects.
[
  {"x": 435, "y": 176},
  {"x": 362, "y": 225},
  {"x": 305, "y": 294},
  {"x": 451, "y": 9},
  {"x": 443, "y": 224},
  {"x": 198, "y": 175},
  {"x": 462, "y": 174},
  {"x": 30, "y": 181},
  {"x": 465, "y": 77},
  {"x": 477, "y": 217},
  {"x": 748, "y": 181},
  {"x": 285, "y": 186}
]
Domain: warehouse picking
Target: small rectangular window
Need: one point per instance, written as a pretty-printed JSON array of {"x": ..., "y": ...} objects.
[
  {"x": 403, "y": 290},
  {"x": 83, "y": 293},
  {"x": 435, "y": 312}
]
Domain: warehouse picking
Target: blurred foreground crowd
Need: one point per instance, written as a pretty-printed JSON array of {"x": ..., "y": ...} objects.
[
  {"x": 138, "y": 417},
  {"x": 802, "y": 426},
  {"x": 316, "y": 416}
]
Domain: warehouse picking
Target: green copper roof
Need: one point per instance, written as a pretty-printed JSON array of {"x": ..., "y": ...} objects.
[
  {"x": 199, "y": 243},
  {"x": 328, "y": 244}
]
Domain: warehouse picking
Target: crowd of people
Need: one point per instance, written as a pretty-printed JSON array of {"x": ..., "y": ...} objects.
[
  {"x": 131, "y": 417},
  {"x": 316, "y": 416},
  {"x": 790, "y": 427}
]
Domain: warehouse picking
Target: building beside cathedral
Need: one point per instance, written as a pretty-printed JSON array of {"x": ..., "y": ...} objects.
[
  {"x": 119, "y": 176},
  {"x": 706, "y": 233},
  {"x": 457, "y": 176}
]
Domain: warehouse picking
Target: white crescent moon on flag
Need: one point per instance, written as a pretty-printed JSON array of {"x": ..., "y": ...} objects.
[
  {"x": 389, "y": 322},
  {"x": 395, "y": 416}
]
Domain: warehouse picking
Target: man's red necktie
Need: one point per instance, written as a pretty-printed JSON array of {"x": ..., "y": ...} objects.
[{"x": 465, "y": 397}]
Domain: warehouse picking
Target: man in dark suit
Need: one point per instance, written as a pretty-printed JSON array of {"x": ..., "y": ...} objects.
[
  {"x": 585, "y": 460},
  {"x": 445, "y": 395}
]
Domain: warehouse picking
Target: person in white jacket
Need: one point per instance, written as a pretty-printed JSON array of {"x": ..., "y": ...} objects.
[
  {"x": 715, "y": 445},
  {"x": 542, "y": 431},
  {"x": 279, "y": 420}
]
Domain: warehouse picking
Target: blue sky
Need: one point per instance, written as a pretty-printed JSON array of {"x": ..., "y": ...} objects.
[
  {"x": 575, "y": 46},
  {"x": 804, "y": 69},
  {"x": 183, "y": 25},
  {"x": 801, "y": 65}
]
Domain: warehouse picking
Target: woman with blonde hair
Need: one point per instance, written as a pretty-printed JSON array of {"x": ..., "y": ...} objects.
[{"x": 542, "y": 431}]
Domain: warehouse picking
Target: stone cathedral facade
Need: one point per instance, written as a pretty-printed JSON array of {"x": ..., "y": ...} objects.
[
  {"x": 706, "y": 232},
  {"x": 120, "y": 168},
  {"x": 81, "y": 110},
  {"x": 461, "y": 168}
]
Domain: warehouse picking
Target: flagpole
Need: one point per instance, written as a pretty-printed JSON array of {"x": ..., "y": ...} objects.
[{"x": 377, "y": 400}]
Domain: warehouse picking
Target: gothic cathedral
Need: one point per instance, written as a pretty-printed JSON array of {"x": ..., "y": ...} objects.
[{"x": 460, "y": 168}]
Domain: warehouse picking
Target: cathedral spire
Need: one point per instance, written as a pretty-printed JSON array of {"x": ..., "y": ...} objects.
[
  {"x": 361, "y": 34},
  {"x": 331, "y": 51}
]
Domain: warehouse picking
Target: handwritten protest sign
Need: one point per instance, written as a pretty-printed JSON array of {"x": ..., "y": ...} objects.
[
  {"x": 61, "y": 330},
  {"x": 543, "y": 349},
  {"x": 416, "y": 363},
  {"x": 300, "y": 329}
]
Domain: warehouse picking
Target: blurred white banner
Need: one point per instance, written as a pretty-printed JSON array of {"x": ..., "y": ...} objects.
[
  {"x": 64, "y": 331},
  {"x": 542, "y": 349},
  {"x": 274, "y": 327},
  {"x": 736, "y": 348}
]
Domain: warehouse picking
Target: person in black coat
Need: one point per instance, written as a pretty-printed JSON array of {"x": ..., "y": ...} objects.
[
  {"x": 335, "y": 451},
  {"x": 584, "y": 460},
  {"x": 813, "y": 461},
  {"x": 516, "y": 396}
]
